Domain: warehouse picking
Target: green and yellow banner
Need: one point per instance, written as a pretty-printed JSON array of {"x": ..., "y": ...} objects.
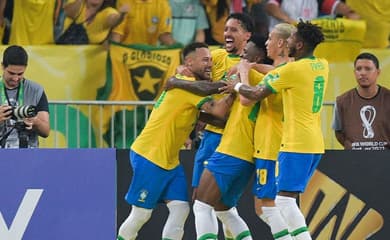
[
  {"x": 134, "y": 73},
  {"x": 343, "y": 38}
]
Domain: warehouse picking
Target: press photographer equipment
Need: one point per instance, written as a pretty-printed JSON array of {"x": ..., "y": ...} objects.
[
  {"x": 18, "y": 114},
  {"x": 25, "y": 111}
]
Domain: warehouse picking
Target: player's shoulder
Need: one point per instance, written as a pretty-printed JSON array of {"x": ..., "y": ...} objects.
[{"x": 218, "y": 52}]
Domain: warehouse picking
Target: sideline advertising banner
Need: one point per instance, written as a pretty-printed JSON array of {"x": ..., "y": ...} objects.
[
  {"x": 346, "y": 199},
  {"x": 57, "y": 194}
]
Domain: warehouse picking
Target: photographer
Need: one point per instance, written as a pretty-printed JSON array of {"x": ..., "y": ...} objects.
[{"x": 24, "y": 109}]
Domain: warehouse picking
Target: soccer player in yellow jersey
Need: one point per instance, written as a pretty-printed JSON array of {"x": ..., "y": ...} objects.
[
  {"x": 268, "y": 135},
  {"x": 237, "y": 32},
  {"x": 230, "y": 167},
  {"x": 158, "y": 175},
  {"x": 302, "y": 84}
]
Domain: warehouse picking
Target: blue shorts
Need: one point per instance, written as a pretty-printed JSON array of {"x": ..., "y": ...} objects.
[
  {"x": 152, "y": 184},
  {"x": 232, "y": 176},
  {"x": 264, "y": 185},
  {"x": 295, "y": 170},
  {"x": 207, "y": 147}
]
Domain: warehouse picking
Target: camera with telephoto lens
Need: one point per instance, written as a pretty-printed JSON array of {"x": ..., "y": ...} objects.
[{"x": 25, "y": 111}]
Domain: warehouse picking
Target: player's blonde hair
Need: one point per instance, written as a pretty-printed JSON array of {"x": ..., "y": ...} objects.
[{"x": 284, "y": 30}]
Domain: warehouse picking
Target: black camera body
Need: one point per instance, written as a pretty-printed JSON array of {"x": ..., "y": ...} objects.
[{"x": 17, "y": 114}]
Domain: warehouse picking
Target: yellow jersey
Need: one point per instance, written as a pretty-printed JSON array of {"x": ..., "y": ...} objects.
[
  {"x": 222, "y": 62},
  {"x": 171, "y": 122},
  {"x": 268, "y": 128},
  {"x": 237, "y": 139},
  {"x": 302, "y": 84}
]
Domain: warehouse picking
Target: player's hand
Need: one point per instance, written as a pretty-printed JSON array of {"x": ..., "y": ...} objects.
[
  {"x": 244, "y": 66},
  {"x": 183, "y": 70},
  {"x": 5, "y": 112},
  {"x": 229, "y": 87},
  {"x": 233, "y": 70}
]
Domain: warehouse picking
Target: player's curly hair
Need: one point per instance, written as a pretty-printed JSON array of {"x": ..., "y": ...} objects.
[{"x": 310, "y": 34}]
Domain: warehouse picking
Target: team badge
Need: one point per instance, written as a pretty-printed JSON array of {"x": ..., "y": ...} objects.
[{"x": 143, "y": 195}]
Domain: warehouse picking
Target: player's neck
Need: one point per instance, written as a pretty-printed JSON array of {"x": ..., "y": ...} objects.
[{"x": 280, "y": 60}]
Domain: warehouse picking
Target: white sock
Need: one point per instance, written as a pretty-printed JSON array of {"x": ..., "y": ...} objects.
[
  {"x": 275, "y": 221},
  {"x": 137, "y": 218},
  {"x": 234, "y": 223},
  {"x": 226, "y": 232},
  {"x": 206, "y": 223},
  {"x": 293, "y": 217},
  {"x": 174, "y": 226}
]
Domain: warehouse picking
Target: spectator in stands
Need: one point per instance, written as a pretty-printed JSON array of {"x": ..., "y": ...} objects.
[
  {"x": 148, "y": 22},
  {"x": 218, "y": 12},
  {"x": 376, "y": 13},
  {"x": 189, "y": 21},
  {"x": 361, "y": 114},
  {"x": 260, "y": 17},
  {"x": 98, "y": 17},
  {"x": 21, "y": 130},
  {"x": 290, "y": 11},
  {"x": 33, "y": 22}
]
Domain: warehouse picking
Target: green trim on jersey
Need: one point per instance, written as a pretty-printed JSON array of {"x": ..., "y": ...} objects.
[{"x": 203, "y": 101}]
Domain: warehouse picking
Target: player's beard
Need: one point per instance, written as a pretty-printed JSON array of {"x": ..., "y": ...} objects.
[{"x": 292, "y": 52}]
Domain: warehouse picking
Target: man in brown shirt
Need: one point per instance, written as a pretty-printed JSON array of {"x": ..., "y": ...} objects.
[{"x": 361, "y": 114}]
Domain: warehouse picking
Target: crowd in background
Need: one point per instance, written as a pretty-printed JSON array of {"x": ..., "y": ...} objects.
[{"x": 174, "y": 22}]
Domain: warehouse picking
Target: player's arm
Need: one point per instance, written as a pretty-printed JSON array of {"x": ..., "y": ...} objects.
[
  {"x": 256, "y": 93},
  {"x": 243, "y": 69},
  {"x": 201, "y": 88},
  {"x": 219, "y": 108},
  {"x": 263, "y": 68},
  {"x": 211, "y": 119}
]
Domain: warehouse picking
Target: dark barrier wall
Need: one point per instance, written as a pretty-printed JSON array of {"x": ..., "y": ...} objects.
[
  {"x": 61, "y": 194},
  {"x": 347, "y": 198}
]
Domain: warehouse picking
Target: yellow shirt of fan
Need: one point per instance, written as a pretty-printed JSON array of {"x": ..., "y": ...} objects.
[
  {"x": 237, "y": 139},
  {"x": 97, "y": 29},
  {"x": 376, "y": 14},
  {"x": 32, "y": 22},
  {"x": 302, "y": 84},
  {"x": 222, "y": 62},
  {"x": 145, "y": 22},
  {"x": 173, "y": 117},
  {"x": 217, "y": 25}
]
